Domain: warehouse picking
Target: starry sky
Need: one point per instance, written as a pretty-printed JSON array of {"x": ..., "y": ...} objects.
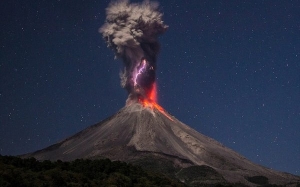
[{"x": 229, "y": 69}]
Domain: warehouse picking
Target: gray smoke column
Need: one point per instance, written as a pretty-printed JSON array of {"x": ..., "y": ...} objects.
[{"x": 132, "y": 30}]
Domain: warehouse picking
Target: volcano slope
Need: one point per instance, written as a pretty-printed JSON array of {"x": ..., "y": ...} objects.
[{"x": 150, "y": 137}]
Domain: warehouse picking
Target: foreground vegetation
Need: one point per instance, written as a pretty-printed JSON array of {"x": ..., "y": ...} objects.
[{"x": 19, "y": 172}]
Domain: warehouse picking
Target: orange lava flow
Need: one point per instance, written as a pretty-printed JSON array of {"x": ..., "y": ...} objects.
[{"x": 151, "y": 102}]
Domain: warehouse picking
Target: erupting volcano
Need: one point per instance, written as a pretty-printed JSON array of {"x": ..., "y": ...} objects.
[
  {"x": 142, "y": 132},
  {"x": 132, "y": 31}
]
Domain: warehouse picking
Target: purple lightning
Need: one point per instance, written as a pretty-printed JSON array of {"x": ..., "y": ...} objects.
[{"x": 141, "y": 69}]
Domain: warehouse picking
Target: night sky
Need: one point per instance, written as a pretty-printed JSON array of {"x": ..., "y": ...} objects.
[{"x": 229, "y": 69}]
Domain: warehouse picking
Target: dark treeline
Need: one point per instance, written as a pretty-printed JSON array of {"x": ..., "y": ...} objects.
[{"x": 17, "y": 172}]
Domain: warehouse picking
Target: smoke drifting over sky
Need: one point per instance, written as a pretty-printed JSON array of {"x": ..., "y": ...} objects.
[{"x": 132, "y": 31}]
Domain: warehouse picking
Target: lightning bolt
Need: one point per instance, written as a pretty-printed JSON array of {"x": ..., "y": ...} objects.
[{"x": 140, "y": 71}]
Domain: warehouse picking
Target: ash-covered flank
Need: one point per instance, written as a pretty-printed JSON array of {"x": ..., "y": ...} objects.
[{"x": 148, "y": 134}]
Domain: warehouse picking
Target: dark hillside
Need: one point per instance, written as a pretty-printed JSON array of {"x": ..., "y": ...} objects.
[{"x": 19, "y": 172}]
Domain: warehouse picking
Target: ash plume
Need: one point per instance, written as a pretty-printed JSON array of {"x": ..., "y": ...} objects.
[{"x": 132, "y": 30}]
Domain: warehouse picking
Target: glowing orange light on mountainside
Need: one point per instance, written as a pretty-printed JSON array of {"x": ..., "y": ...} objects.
[{"x": 151, "y": 102}]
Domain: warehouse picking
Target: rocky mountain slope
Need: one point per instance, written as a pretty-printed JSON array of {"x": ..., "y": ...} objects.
[{"x": 150, "y": 137}]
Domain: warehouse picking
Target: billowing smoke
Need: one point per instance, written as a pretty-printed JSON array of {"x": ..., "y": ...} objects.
[{"x": 132, "y": 31}]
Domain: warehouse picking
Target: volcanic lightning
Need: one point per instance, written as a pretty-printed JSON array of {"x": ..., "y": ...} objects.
[
  {"x": 140, "y": 69},
  {"x": 132, "y": 30}
]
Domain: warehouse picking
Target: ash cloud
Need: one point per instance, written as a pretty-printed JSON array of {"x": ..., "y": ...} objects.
[{"x": 132, "y": 30}]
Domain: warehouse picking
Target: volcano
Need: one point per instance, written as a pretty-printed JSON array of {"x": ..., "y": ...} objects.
[{"x": 144, "y": 133}]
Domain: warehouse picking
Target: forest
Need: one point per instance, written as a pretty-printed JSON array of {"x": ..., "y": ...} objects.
[{"x": 18, "y": 172}]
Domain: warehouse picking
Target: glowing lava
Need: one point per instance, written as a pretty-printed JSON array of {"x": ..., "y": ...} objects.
[
  {"x": 153, "y": 93},
  {"x": 153, "y": 105},
  {"x": 151, "y": 102}
]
